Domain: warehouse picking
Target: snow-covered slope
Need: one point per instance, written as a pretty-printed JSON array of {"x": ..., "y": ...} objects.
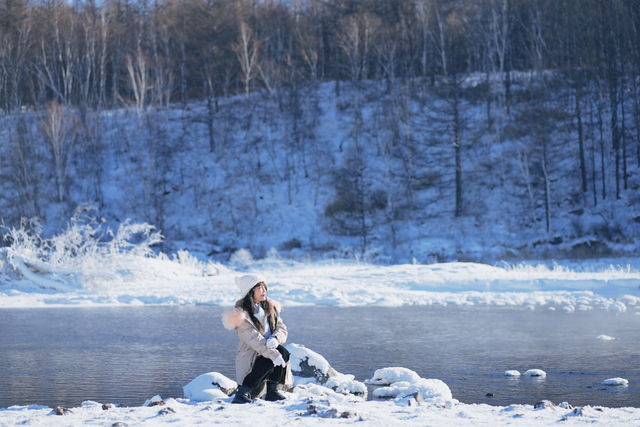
[{"x": 341, "y": 171}]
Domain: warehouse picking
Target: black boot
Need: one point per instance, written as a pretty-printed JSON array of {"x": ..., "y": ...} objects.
[
  {"x": 273, "y": 393},
  {"x": 243, "y": 395}
]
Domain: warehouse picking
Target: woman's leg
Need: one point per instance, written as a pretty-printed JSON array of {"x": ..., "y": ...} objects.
[{"x": 264, "y": 369}]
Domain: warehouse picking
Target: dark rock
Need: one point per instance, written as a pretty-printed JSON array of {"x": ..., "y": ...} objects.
[
  {"x": 106, "y": 406},
  {"x": 415, "y": 397},
  {"x": 348, "y": 414},
  {"x": 489, "y": 395},
  {"x": 62, "y": 411},
  {"x": 227, "y": 391},
  {"x": 330, "y": 413},
  {"x": 543, "y": 404},
  {"x": 157, "y": 403},
  {"x": 166, "y": 411},
  {"x": 119, "y": 424},
  {"x": 310, "y": 371}
]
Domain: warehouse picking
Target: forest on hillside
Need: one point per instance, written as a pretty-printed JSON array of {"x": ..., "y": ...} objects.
[
  {"x": 97, "y": 54},
  {"x": 338, "y": 126}
]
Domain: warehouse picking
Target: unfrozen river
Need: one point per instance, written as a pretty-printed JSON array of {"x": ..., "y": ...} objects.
[{"x": 62, "y": 356}]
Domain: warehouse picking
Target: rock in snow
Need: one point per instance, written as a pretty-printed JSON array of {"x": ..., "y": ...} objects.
[
  {"x": 616, "y": 381},
  {"x": 307, "y": 365},
  {"x": 310, "y": 367},
  {"x": 402, "y": 382}
]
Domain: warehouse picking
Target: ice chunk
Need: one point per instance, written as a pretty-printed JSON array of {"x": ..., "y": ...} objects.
[{"x": 616, "y": 381}]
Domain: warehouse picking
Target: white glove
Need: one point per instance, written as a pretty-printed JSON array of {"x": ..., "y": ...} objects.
[
  {"x": 272, "y": 342},
  {"x": 279, "y": 362}
]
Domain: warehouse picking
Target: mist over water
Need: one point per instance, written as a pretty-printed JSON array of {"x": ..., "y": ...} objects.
[{"x": 126, "y": 355}]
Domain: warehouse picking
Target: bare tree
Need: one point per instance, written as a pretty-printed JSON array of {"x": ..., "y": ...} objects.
[
  {"x": 25, "y": 167},
  {"x": 310, "y": 42},
  {"x": 57, "y": 125},
  {"x": 246, "y": 49},
  {"x": 139, "y": 80},
  {"x": 355, "y": 37}
]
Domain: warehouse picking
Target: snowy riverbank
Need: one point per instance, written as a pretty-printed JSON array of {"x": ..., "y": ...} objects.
[
  {"x": 111, "y": 277},
  {"x": 137, "y": 279},
  {"x": 320, "y": 395},
  {"x": 122, "y": 274},
  {"x": 319, "y": 405},
  {"x": 90, "y": 265}
]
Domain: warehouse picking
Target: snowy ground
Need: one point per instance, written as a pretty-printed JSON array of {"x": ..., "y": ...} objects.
[
  {"x": 297, "y": 409},
  {"x": 97, "y": 275},
  {"x": 139, "y": 279}
]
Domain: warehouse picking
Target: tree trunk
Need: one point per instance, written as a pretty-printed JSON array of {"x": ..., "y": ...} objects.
[
  {"x": 547, "y": 188},
  {"x": 457, "y": 130},
  {"x": 583, "y": 166},
  {"x": 603, "y": 175}
]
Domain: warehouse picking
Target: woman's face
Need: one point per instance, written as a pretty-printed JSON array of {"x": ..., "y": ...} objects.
[{"x": 260, "y": 292}]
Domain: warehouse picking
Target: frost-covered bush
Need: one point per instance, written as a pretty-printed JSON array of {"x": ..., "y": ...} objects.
[
  {"x": 89, "y": 254},
  {"x": 241, "y": 258}
]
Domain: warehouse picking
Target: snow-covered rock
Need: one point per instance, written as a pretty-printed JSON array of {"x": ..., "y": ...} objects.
[
  {"x": 153, "y": 401},
  {"x": 539, "y": 373},
  {"x": 209, "y": 386},
  {"x": 512, "y": 373},
  {"x": 430, "y": 389},
  {"x": 307, "y": 366},
  {"x": 400, "y": 383},
  {"x": 605, "y": 338},
  {"x": 346, "y": 384},
  {"x": 388, "y": 376}
]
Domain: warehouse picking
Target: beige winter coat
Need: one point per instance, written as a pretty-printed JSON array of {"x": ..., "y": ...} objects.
[{"x": 252, "y": 342}]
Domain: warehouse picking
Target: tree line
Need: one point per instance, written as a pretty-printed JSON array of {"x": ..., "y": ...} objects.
[{"x": 101, "y": 54}]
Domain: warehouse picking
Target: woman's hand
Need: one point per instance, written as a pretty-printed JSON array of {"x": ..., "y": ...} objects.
[
  {"x": 272, "y": 342},
  {"x": 279, "y": 361}
]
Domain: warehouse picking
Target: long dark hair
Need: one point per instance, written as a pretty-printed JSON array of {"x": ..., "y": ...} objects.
[{"x": 247, "y": 303}]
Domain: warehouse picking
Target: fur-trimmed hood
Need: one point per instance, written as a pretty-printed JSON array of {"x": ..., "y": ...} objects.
[{"x": 233, "y": 318}]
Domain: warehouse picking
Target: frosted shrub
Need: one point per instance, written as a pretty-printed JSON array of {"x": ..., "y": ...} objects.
[
  {"x": 241, "y": 258},
  {"x": 85, "y": 251}
]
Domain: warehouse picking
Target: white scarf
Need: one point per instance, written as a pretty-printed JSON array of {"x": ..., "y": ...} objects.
[{"x": 262, "y": 318}]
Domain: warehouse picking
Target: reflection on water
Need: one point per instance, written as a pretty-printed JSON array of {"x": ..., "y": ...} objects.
[{"x": 126, "y": 355}]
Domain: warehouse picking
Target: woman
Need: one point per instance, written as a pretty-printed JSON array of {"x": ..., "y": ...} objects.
[{"x": 261, "y": 356}]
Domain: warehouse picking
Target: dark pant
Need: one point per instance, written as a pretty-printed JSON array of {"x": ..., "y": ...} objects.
[{"x": 263, "y": 369}]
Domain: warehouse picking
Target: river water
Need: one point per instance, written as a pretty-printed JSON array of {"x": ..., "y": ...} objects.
[{"x": 125, "y": 355}]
